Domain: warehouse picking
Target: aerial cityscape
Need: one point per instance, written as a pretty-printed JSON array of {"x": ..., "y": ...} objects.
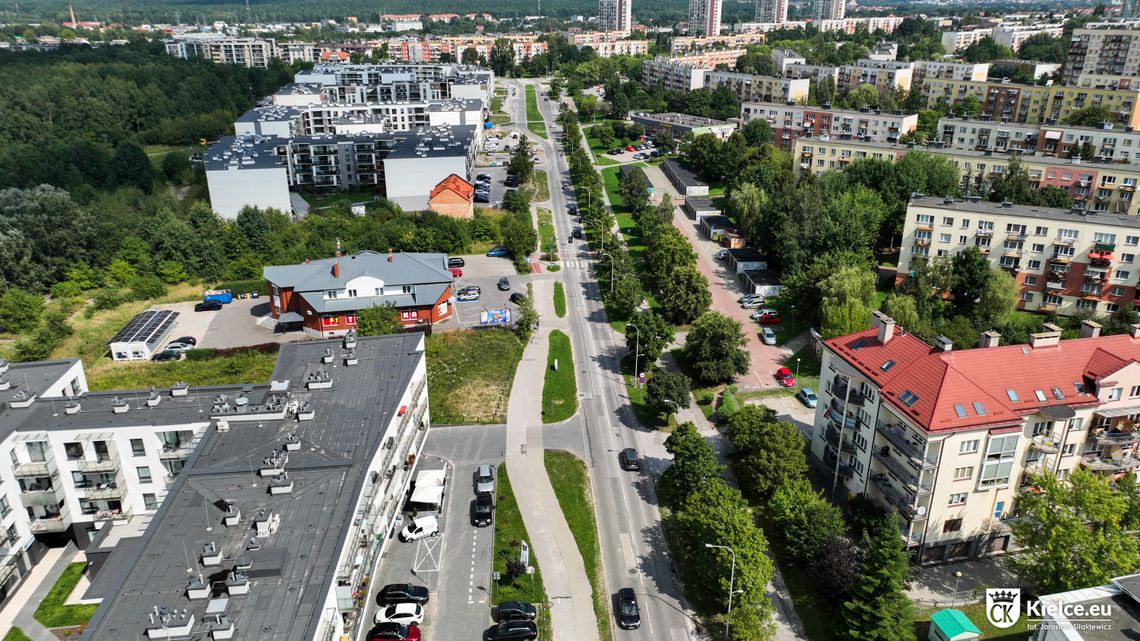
[{"x": 569, "y": 320}]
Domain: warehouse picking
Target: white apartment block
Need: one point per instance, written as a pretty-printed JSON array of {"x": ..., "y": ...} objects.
[
  {"x": 684, "y": 45},
  {"x": 886, "y": 24},
  {"x": 924, "y": 69},
  {"x": 782, "y": 58},
  {"x": 686, "y": 73},
  {"x": 222, "y": 49},
  {"x": 771, "y": 11},
  {"x": 1109, "y": 144},
  {"x": 828, "y": 10},
  {"x": 615, "y": 15},
  {"x": 752, "y": 88},
  {"x": 885, "y": 75},
  {"x": 945, "y": 437},
  {"x": 814, "y": 73},
  {"x": 1014, "y": 35},
  {"x": 952, "y": 41},
  {"x": 982, "y": 135},
  {"x": 705, "y": 17},
  {"x": 1105, "y": 48},
  {"x": 765, "y": 27},
  {"x": 790, "y": 122}
]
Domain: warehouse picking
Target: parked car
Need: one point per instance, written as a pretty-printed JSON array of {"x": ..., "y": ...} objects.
[
  {"x": 456, "y": 272},
  {"x": 577, "y": 233},
  {"x": 402, "y": 593},
  {"x": 456, "y": 262},
  {"x": 517, "y": 611},
  {"x": 208, "y": 306},
  {"x": 753, "y": 303},
  {"x": 394, "y": 632},
  {"x": 785, "y": 378},
  {"x": 615, "y": 152},
  {"x": 187, "y": 340},
  {"x": 482, "y": 198},
  {"x": 405, "y": 613},
  {"x": 176, "y": 347},
  {"x": 768, "y": 336},
  {"x": 513, "y": 631},
  {"x": 749, "y": 297},
  {"x": 484, "y": 478},
  {"x": 518, "y": 298},
  {"x": 504, "y": 284},
  {"x": 166, "y": 355},
  {"x": 766, "y": 317},
  {"x": 482, "y": 510},
  {"x": 628, "y": 614},
  {"x": 721, "y": 254},
  {"x": 498, "y": 252},
  {"x": 807, "y": 396},
  {"x": 572, "y": 210},
  {"x": 629, "y": 460},
  {"x": 483, "y": 177},
  {"x": 629, "y": 148},
  {"x": 420, "y": 528},
  {"x": 468, "y": 294}
]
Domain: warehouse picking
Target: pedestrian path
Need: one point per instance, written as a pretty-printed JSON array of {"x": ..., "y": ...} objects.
[{"x": 20, "y": 610}]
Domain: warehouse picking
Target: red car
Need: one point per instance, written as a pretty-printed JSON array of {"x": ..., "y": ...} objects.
[
  {"x": 394, "y": 632},
  {"x": 766, "y": 316},
  {"x": 784, "y": 376},
  {"x": 630, "y": 148},
  {"x": 456, "y": 272}
]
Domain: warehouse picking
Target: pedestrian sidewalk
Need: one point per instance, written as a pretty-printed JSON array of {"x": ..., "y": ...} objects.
[{"x": 20, "y": 609}]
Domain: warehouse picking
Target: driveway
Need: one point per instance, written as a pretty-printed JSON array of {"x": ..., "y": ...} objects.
[
  {"x": 243, "y": 323},
  {"x": 190, "y": 322}
]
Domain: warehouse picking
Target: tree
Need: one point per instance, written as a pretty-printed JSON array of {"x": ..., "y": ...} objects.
[
  {"x": 520, "y": 161},
  {"x": 840, "y": 319},
  {"x": 836, "y": 565},
  {"x": 1091, "y": 116},
  {"x": 132, "y": 166},
  {"x": 121, "y": 273},
  {"x": 969, "y": 106},
  {"x": 146, "y": 287},
  {"x": 694, "y": 463},
  {"x": 667, "y": 253},
  {"x": 470, "y": 56},
  {"x": 804, "y": 517},
  {"x": 878, "y": 609},
  {"x": 502, "y": 57},
  {"x": 970, "y": 274},
  {"x": 556, "y": 87},
  {"x": 42, "y": 233},
  {"x": 626, "y": 297},
  {"x": 519, "y": 237},
  {"x": 378, "y": 320},
  {"x": 526, "y": 319},
  {"x": 986, "y": 50},
  {"x": 998, "y": 299},
  {"x": 714, "y": 348},
  {"x": 652, "y": 336},
  {"x": 902, "y": 309},
  {"x": 771, "y": 451},
  {"x": 517, "y": 202},
  {"x": 604, "y": 133},
  {"x": 20, "y": 311},
  {"x": 757, "y": 132},
  {"x": 619, "y": 108},
  {"x": 664, "y": 142},
  {"x": 634, "y": 189},
  {"x": 1071, "y": 532},
  {"x": 666, "y": 388},
  {"x": 686, "y": 297}
]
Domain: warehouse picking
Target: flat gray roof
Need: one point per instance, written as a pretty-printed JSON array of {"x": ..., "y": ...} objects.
[
  {"x": 293, "y": 569},
  {"x": 245, "y": 152},
  {"x": 1040, "y": 213},
  {"x": 683, "y": 120},
  {"x": 685, "y": 175}
]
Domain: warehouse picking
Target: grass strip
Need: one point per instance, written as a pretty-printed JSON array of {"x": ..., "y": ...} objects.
[
  {"x": 249, "y": 366},
  {"x": 534, "y": 121},
  {"x": 16, "y": 634},
  {"x": 510, "y": 532},
  {"x": 53, "y": 613},
  {"x": 572, "y": 488},
  {"x": 540, "y": 187},
  {"x": 559, "y": 390},
  {"x": 559, "y": 299}
]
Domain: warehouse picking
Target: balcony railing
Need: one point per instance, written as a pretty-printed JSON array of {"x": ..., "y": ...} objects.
[
  {"x": 1054, "y": 285},
  {"x": 1047, "y": 443},
  {"x": 1061, "y": 258},
  {"x": 1106, "y": 437},
  {"x": 905, "y": 473},
  {"x": 49, "y": 524},
  {"x": 31, "y": 469},
  {"x": 1098, "y": 463},
  {"x": 105, "y": 464},
  {"x": 897, "y": 437}
]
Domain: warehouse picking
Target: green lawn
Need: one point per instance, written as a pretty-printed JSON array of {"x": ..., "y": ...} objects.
[
  {"x": 572, "y": 488},
  {"x": 53, "y": 613},
  {"x": 16, "y": 634},
  {"x": 791, "y": 325},
  {"x": 534, "y": 121},
  {"x": 251, "y": 366},
  {"x": 611, "y": 177},
  {"x": 641, "y": 409},
  {"x": 510, "y": 532},
  {"x": 343, "y": 197},
  {"x": 547, "y": 244},
  {"x": 976, "y": 612},
  {"x": 540, "y": 187},
  {"x": 559, "y": 299},
  {"x": 470, "y": 373},
  {"x": 559, "y": 390},
  {"x": 598, "y": 149}
]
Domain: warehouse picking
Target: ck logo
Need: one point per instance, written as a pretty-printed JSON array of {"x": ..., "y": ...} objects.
[{"x": 1003, "y": 606}]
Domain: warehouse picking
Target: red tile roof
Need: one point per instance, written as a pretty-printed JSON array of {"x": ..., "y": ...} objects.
[
  {"x": 946, "y": 382},
  {"x": 456, "y": 184}
]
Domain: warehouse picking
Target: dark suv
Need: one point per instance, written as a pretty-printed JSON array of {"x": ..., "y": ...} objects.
[
  {"x": 402, "y": 593},
  {"x": 628, "y": 614},
  {"x": 513, "y": 631},
  {"x": 483, "y": 510},
  {"x": 456, "y": 262}
]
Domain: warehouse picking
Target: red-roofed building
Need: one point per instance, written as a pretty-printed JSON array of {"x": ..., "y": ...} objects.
[
  {"x": 453, "y": 196},
  {"x": 948, "y": 437}
]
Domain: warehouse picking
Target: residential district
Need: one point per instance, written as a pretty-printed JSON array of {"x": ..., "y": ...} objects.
[{"x": 811, "y": 328}]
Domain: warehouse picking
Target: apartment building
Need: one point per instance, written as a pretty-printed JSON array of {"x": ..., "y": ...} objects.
[
  {"x": 1108, "y": 144},
  {"x": 397, "y": 82},
  {"x": 783, "y": 58},
  {"x": 222, "y": 49},
  {"x": 1064, "y": 261},
  {"x": 682, "y": 45},
  {"x": 1111, "y": 48},
  {"x": 705, "y": 17},
  {"x": 886, "y": 24},
  {"x": 284, "y": 504},
  {"x": 682, "y": 125},
  {"x": 607, "y": 44},
  {"x": 1014, "y": 35},
  {"x": 615, "y": 15},
  {"x": 771, "y": 11},
  {"x": 752, "y": 88},
  {"x": 952, "y": 41},
  {"x": 987, "y": 135},
  {"x": 924, "y": 69},
  {"x": 791, "y": 122},
  {"x": 885, "y": 75},
  {"x": 686, "y": 73},
  {"x": 323, "y": 118},
  {"x": 945, "y": 437},
  {"x": 1008, "y": 68},
  {"x": 828, "y": 10},
  {"x": 1032, "y": 103},
  {"x": 1097, "y": 187},
  {"x": 765, "y": 27},
  {"x": 814, "y": 73}
]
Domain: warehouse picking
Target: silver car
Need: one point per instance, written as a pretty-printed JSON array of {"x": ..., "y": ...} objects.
[{"x": 484, "y": 479}]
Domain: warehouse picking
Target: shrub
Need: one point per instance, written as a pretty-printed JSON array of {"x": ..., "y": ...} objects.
[{"x": 729, "y": 404}]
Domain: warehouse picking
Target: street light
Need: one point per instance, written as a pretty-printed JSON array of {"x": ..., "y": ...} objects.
[
  {"x": 612, "y": 270},
  {"x": 957, "y": 576},
  {"x": 636, "y": 347},
  {"x": 797, "y": 375},
  {"x": 731, "y": 579}
]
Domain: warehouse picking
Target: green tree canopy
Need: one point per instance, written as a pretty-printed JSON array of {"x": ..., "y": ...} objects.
[
  {"x": 714, "y": 348},
  {"x": 771, "y": 452}
]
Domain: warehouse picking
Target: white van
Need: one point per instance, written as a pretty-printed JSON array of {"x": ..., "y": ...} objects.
[{"x": 420, "y": 528}]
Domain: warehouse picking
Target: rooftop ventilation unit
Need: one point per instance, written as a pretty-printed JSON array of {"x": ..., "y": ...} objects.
[{"x": 120, "y": 405}]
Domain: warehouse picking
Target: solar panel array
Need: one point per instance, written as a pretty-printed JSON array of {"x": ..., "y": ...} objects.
[{"x": 148, "y": 327}]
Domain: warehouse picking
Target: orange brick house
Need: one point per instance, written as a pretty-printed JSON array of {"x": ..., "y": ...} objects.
[{"x": 454, "y": 197}]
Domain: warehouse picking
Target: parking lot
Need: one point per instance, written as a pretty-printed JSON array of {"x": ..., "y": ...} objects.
[
  {"x": 236, "y": 325},
  {"x": 498, "y": 175},
  {"x": 485, "y": 272}
]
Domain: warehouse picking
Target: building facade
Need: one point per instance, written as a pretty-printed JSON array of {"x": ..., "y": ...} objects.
[
  {"x": 1109, "y": 48},
  {"x": 221, "y": 49},
  {"x": 615, "y": 15},
  {"x": 1106, "y": 144},
  {"x": 1005, "y": 101},
  {"x": 686, "y": 73},
  {"x": 753, "y": 88},
  {"x": 1014, "y": 35},
  {"x": 682, "y": 125},
  {"x": 771, "y": 11},
  {"x": 884, "y": 75},
  {"x": 946, "y": 437},
  {"x": 790, "y": 122},
  {"x": 828, "y": 10},
  {"x": 704, "y": 17},
  {"x": 954, "y": 40},
  {"x": 686, "y": 45}
]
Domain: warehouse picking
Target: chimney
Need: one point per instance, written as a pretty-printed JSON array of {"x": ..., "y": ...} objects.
[
  {"x": 945, "y": 344},
  {"x": 989, "y": 339},
  {"x": 1134, "y": 330},
  {"x": 389, "y": 254},
  {"x": 338, "y": 248},
  {"x": 336, "y": 269},
  {"x": 1049, "y": 338},
  {"x": 1090, "y": 329},
  {"x": 886, "y": 326}
]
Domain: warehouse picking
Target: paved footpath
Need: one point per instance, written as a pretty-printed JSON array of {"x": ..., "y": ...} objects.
[
  {"x": 563, "y": 572},
  {"x": 21, "y": 608}
]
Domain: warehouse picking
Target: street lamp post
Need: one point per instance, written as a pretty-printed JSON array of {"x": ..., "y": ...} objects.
[
  {"x": 612, "y": 270},
  {"x": 731, "y": 579},
  {"x": 957, "y": 577},
  {"x": 797, "y": 375},
  {"x": 636, "y": 351}
]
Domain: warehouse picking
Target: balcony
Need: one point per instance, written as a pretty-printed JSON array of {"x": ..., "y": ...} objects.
[
  {"x": 105, "y": 464},
  {"x": 1047, "y": 443},
  {"x": 1061, "y": 259},
  {"x": 898, "y": 437},
  {"x": 1104, "y": 247},
  {"x": 892, "y": 497},
  {"x": 984, "y": 233},
  {"x": 1055, "y": 285},
  {"x": 1106, "y": 437},
  {"x": 839, "y": 391},
  {"x": 905, "y": 473},
  {"x": 31, "y": 469},
  {"x": 39, "y": 495},
  {"x": 849, "y": 423},
  {"x": 1019, "y": 236},
  {"x": 831, "y": 435},
  {"x": 1098, "y": 463},
  {"x": 845, "y": 471},
  {"x": 47, "y": 524},
  {"x": 922, "y": 242},
  {"x": 112, "y": 515}
]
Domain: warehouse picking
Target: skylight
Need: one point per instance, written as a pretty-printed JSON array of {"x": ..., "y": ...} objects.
[
  {"x": 1080, "y": 387},
  {"x": 979, "y": 409},
  {"x": 1012, "y": 395},
  {"x": 909, "y": 398},
  {"x": 859, "y": 343},
  {"x": 1040, "y": 395},
  {"x": 1057, "y": 394},
  {"x": 960, "y": 410},
  {"x": 886, "y": 367}
]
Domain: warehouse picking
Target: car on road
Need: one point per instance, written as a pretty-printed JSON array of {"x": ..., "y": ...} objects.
[
  {"x": 577, "y": 233},
  {"x": 721, "y": 254},
  {"x": 752, "y": 303},
  {"x": 766, "y": 316},
  {"x": 504, "y": 284},
  {"x": 628, "y": 614},
  {"x": 166, "y": 355},
  {"x": 456, "y": 272},
  {"x": 785, "y": 378},
  {"x": 517, "y": 611},
  {"x": 208, "y": 306},
  {"x": 420, "y": 528},
  {"x": 768, "y": 336},
  {"x": 629, "y": 460},
  {"x": 807, "y": 397},
  {"x": 484, "y": 478},
  {"x": 513, "y": 631},
  {"x": 468, "y": 294},
  {"x": 518, "y": 298},
  {"x": 394, "y": 632},
  {"x": 456, "y": 262},
  {"x": 483, "y": 510},
  {"x": 405, "y": 613},
  {"x": 402, "y": 593},
  {"x": 187, "y": 340},
  {"x": 175, "y": 346},
  {"x": 498, "y": 252}
]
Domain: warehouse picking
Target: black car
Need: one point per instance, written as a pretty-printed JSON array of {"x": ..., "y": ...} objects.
[
  {"x": 512, "y": 631},
  {"x": 572, "y": 210},
  {"x": 629, "y": 460},
  {"x": 504, "y": 284},
  {"x": 392, "y": 632},
  {"x": 628, "y": 613},
  {"x": 518, "y": 298},
  {"x": 456, "y": 262},
  {"x": 482, "y": 198},
  {"x": 483, "y": 511},
  {"x": 402, "y": 593},
  {"x": 186, "y": 340},
  {"x": 577, "y": 231},
  {"x": 166, "y": 355},
  {"x": 208, "y": 306},
  {"x": 517, "y": 611}
]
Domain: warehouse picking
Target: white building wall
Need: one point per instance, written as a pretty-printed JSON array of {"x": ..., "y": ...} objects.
[
  {"x": 232, "y": 189},
  {"x": 409, "y": 181}
]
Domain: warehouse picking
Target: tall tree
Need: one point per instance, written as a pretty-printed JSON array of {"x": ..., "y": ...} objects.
[
  {"x": 878, "y": 609},
  {"x": 666, "y": 391},
  {"x": 652, "y": 335},
  {"x": 378, "y": 320},
  {"x": 970, "y": 276},
  {"x": 686, "y": 296},
  {"x": 714, "y": 348},
  {"x": 694, "y": 462},
  {"x": 771, "y": 452},
  {"x": 806, "y": 519}
]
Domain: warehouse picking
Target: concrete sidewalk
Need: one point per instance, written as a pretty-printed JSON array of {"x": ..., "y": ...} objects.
[
  {"x": 563, "y": 572},
  {"x": 20, "y": 609}
]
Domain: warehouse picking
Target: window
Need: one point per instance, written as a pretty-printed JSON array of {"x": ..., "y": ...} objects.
[
  {"x": 144, "y": 474},
  {"x": 960, "y": 410},
  {"x": 5, "y": 507},
  {"x": 963, "y": 473},
  {"x": 1040, "y": 395},
  {"x": 965, "y": 223},
  {"x": 948, "y": 221},
  {"x": 37, "y": 451},
  {"x": 968, "y": 447},
  {"x": 1030, "y": 280},
  {"x": 1012, "y": 395},
  {"x": 352, "y": 293},
  {"x": 1086, "y": 304},
  {"x": 952, "y": 525},
  {"x": 329, "y": 321},
  {"x": 998, "y": 461},
  {"x": 957, "y": 499},
  {"x": 1034, "y": 264},
  {"x": 137, "y": 447},
  {"x": 1132, "y": 240},
  {"x": 1067, "y": 234},
  {"x": 1041, "y": 231},
  {"x": 1111, "y": 308},
  {"x": 1116, "y": 291},
  {"x": 1121, "y": 274},
  {"x": 350, "y": 319},
  {"x": 1114, "y": 394},
  {"x": 943, "y": 238},
  {"x": 979, "y": 409},
  {"x": 150, "y": 502},
  {"x": 1070, "y": 449},
  {"x": 1027, "y": 297},
  {"x": 74, "y": 451},
  {"x": 1042, "y": 427},
  {"x": 12, "y": 535},
  {"x": 1038, "y": 248},
  {"x": 1128, "y": 258},
  {"x": 332, "y": 293},
  {"x": 909, "y": 398},
  {"x": 1104, "y": 237},
  {"x": 1134, "y": 392}
]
